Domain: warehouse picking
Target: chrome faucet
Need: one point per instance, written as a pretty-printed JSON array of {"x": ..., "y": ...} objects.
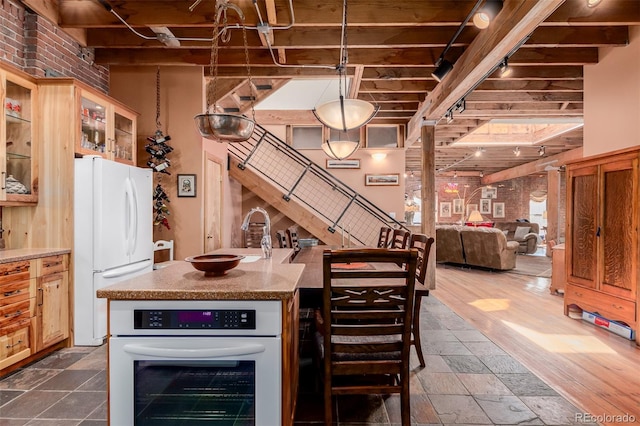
[{"x": 265, "y": 243}]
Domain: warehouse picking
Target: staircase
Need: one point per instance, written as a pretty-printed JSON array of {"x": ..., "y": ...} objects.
[{"x": 305, "y": 192}]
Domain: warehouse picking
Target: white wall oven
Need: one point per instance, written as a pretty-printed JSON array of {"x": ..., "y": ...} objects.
[{"x": 192, "y": 363}]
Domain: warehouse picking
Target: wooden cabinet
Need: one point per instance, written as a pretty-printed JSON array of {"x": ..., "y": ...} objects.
[
  {"x": 98, "y": 124},
  {"x": 558, "y": 271},
  {"x": 602, "y": 236},
  {"x": 34, "y": 306},
  {"x": 18, "y": 139},
  {"x": 52, "y": 301},
  {"x": 16, "y": 310},
  {"x": 108, "y": 129}
]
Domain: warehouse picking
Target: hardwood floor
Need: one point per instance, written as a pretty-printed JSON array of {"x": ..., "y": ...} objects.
[{"x": 592, "y": 368}]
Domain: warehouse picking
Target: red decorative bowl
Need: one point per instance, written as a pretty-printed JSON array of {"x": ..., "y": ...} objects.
[{"x": 214, "y": 265}]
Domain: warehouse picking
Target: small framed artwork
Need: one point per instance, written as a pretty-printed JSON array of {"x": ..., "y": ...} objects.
[
  {"x": 485, "y": 206},
  {"x": 445, "y": 209},
  {"x": 458, "y": 206},
  {"x": 186, "y": 185},
  {"x": 470, "y": 208},
  {"x": 392, "y": 179},
  {"x": 489, "y": 192},
  {"x": 498, "y": 210},
  {"x": 343, "y": 164}
]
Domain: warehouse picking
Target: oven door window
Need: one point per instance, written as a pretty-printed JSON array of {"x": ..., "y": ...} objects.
[{"x": 189, "y": 393}]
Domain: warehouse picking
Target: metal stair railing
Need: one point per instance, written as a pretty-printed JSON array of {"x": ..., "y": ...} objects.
[{"x": 298, "y": 177}]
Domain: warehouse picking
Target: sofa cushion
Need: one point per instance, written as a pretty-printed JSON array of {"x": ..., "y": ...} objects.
[{"x": 521, "y": 231}]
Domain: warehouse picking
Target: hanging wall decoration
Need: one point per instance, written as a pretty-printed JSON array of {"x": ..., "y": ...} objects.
[{"x": 158, "y": 149}]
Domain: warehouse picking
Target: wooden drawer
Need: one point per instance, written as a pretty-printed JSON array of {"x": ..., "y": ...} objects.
[
  {"x": 14, "y": 346},
  {"x": 16, "y": 311},
  {"x": 610, "y": 307},
  {"x": 52, "y": 264},
  {"x": 15, "y": 291},
  {"x": 14, "y": 271}
]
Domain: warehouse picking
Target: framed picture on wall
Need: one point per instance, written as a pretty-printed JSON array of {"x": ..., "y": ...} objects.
[
  {"x": 498, "y": 210},
  {"x": 458, "y": 206},
  {"x": 186, "y": 185},
  {"x": 445, "y": 209},
  {"x": 489, "y": 192},
  {"x": 392, "y": 179},
  {"x": 485, "y": 206},
  {"x": 343, "y": 164},
  {"x": 470, "y": 208}
]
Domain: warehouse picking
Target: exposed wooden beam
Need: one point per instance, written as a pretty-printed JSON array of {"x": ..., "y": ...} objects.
[{"x": 533, "y": 167}]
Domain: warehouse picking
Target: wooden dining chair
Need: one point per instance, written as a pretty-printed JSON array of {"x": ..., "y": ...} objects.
[
  {"x": 423, "y": 244},
  {"x": 383, "y": 238},
  {"x": 365, "y": 336},
  {"x": 283, "y": 241},
  {"x": 292, "y": 236},
  {"x": 399, "y": 239}
]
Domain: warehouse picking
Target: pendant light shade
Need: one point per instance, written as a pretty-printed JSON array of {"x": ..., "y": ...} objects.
[
  {"x": 345, "y": 114},
  {"x": 340, "y": 150}
]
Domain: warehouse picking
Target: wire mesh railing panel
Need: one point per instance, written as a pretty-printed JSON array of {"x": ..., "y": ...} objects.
[
  {"x": 273, "y": 163},
  {"x": 321, "y": 196}
]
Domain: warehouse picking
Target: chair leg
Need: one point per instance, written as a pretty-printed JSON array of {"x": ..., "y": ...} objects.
[
  {"x": 416, "y": 325},
  {"x": 328, "y": 403},
  {"x": 405, "y": 398}
]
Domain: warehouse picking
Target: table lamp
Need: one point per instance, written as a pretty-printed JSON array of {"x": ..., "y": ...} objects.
[{"x": 475, "y": 217}]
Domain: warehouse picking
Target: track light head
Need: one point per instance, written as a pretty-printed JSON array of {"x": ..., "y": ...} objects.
[
  {"x": 541, "y": 151},
  {"x": 461, "y": 106},
  {"x": 486, "y": 13},
  {"x": 455, "y": 174},
  {"x": 449, "y": 116},
  {"x": 478, "y": 152},
  {"x": 443, "y": 67},
  {"x": 481, "y": 174},
  {"x": 516, "y": 151},
  {"x": 505, "y": 69}
]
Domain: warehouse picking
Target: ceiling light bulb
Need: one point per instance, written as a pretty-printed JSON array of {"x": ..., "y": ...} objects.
[
  {"x": 486, "y": 13},
  {"x": 478, "y": 152}
]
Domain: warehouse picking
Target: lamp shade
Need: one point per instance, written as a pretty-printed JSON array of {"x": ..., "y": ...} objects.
[
  {"x": 345, "y": 114},
  {"x": 340, "y": 150},
  {"x": 475, "y": 217}
]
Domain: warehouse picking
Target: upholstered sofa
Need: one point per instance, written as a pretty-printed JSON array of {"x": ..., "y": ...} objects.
[
  {"x": 525, "y": 233},
  {"x": 481, "y": 246}
]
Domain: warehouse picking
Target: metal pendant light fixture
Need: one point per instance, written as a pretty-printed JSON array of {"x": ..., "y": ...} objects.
[
  {"x": 220, "y": 126},
  {"x": 343, "y": 114}
]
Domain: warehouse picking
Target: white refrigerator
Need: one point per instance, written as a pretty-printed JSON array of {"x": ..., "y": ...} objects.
[{"x": 113, "y": 237}]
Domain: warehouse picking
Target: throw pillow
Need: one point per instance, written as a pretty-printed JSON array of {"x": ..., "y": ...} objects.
[{"x": 521, "y": 231}]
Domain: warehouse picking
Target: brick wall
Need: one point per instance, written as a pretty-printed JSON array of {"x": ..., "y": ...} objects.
[{"x": 39, "y": 48}]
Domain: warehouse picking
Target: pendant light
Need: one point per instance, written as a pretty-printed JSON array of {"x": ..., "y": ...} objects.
[
  {"x": 220, "y": 126},
  {"x": 343, "y": 114}
]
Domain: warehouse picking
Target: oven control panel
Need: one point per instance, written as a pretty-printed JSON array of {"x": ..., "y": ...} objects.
[{"x": 199, "y": 319}]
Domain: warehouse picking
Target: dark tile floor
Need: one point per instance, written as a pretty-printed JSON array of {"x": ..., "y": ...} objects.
[{"x": 468, "y": 380}]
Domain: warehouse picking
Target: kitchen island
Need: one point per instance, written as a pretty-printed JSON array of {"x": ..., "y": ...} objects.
[{"x": 169, "y": 309}]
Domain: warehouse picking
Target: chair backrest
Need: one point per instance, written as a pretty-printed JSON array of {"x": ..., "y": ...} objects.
[
  {"x": 283, "y": 241},
  {"x": 399, "y": 239},
  {"x": 383, "y": 239},
  {"x": 292, "y": 235},
  {"x": 164, "y": 245},
  {"x": 367, "y": 312},
  {"x": 423, "y": 244}
]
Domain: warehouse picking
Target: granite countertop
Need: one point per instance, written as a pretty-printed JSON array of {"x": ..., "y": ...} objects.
[
  {"x": 260, "y": 279},
  {"x": 16, "y": 255}
]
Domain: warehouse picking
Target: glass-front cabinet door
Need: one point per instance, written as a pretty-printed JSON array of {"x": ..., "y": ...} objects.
[
  {"x": 18, "y": 167},
  {"x": 93, "y": 115},
  {"x": 124, "y": 136}
]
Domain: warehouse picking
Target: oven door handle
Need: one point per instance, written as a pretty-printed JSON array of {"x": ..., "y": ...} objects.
[{"x": 201, "y": 353}]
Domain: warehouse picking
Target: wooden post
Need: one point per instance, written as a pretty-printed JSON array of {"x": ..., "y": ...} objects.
[
  {"x": 428, "y": 194},
  {"x": 553, "y": 201}
]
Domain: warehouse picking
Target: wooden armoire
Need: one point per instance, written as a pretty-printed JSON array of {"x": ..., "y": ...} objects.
[{"x": 602, "y": 236}]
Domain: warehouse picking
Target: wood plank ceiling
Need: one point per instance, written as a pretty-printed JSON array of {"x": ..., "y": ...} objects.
[{"x": 392, "y": 51}]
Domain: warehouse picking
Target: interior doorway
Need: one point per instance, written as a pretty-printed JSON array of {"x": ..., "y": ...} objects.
[
  {"x": 213, "y": 204},
  {"x": 538, "y": 214}
]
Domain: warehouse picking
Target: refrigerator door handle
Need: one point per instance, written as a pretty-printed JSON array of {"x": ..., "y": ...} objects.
[
  {"x": 134, "y": 210},
  {"x": 130, "y": 215},
  {"x": 126, "y": 270}
]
